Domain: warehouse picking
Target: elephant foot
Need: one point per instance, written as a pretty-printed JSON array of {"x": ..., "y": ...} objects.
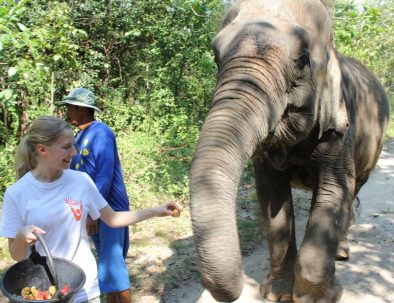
[
  {"x": 277, "y": 289},
  {"x": 343, "y": 251},
  {"x": 328, "y": 293}
]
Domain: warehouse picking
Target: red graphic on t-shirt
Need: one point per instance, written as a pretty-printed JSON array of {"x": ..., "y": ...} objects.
[{"x": 75, "y": 207}]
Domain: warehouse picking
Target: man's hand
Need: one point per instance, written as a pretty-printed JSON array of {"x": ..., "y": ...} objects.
[{"x": 92, "y": 226}]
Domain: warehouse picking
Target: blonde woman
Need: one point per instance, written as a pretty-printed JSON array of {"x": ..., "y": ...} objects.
[{"x": 51, "y": 199}]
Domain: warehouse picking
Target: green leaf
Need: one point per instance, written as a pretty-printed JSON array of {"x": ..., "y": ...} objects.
[
  {"x": 22, "y": 27},
  {"x": 6, "y": 94},
  {"x": 57, "y": 57},
  {"x": 12, "y": 71},
  {"x": 134, "y": 33}
]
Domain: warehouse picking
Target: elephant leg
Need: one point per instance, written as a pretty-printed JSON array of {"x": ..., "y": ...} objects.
[
  {"x": 315, "y": 265},
  {"x": 329, "y": 219},
  {"x": 274, "y": 194},
  {"x": 343, "y": 251}
]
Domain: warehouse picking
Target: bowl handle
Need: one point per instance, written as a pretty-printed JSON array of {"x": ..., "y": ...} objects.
[{"x": 49, "y": 259}]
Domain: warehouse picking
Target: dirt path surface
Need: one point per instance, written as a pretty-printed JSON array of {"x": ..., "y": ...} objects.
[{"x": 368, "y": 277}]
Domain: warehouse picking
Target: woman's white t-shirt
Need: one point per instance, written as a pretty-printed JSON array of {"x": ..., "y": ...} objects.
[{"x": 60, "y": 208}]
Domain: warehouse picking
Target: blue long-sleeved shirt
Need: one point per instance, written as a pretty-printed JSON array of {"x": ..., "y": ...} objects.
[{"x": 97, "y": 155}]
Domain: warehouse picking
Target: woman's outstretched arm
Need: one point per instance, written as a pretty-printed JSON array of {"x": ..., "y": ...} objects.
[{"x": 124, "y": 218}]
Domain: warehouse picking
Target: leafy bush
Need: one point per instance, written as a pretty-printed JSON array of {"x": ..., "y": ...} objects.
[
  {"x": 152, "y": 171},
  {"x": 7, "y": 173},
  {"x": 366, "y": 32}
]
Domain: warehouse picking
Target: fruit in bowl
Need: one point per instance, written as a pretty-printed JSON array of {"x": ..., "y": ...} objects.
[{"x": 32, "y": 293}]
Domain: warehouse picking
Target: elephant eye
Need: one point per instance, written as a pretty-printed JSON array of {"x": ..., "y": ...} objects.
[{"x": 302, "y": 61}]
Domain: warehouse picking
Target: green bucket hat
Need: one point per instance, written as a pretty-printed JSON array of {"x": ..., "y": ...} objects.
[{"x": 81, "y": 97}]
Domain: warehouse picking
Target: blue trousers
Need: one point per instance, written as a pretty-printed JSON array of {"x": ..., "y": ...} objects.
[{"x": 112, "y": 245}]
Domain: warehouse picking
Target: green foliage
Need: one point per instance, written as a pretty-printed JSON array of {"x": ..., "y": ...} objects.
[
  {"x": 155, "y": 54},
  {"x": 153, "y": 172},
  {"x": 35, "y": 42},
  {"x": 7, "y": 172},
  {"x": 148, "y": 62},
  {"x": 367, "y": 33}
]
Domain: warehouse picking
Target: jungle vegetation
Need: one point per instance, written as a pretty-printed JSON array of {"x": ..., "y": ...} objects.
[{"x": 151, "y": 67}]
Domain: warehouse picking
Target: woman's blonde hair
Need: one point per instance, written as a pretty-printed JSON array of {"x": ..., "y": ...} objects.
[{"x": 44, "y": 130}]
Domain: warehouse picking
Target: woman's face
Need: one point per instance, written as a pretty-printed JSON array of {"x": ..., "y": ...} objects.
[{"x": 59, "y": 154}]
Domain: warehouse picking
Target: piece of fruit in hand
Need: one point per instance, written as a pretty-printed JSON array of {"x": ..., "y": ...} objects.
[{"x": 176, "y": 212}]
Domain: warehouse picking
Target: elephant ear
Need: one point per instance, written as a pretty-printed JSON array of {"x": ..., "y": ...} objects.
[{"x": 332, "y": 109}]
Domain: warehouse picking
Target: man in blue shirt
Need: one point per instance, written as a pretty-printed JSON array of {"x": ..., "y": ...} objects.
[{"x": 97, "y": 155}]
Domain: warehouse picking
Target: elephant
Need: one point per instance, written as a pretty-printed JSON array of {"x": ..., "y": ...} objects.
[{"x": 306, "y": 117}]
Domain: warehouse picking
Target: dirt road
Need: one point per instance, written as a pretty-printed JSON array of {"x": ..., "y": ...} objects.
[{"x": 368, "y": 277}]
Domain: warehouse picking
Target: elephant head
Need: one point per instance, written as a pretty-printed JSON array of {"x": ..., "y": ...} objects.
[{"x": 278, "y": 84}]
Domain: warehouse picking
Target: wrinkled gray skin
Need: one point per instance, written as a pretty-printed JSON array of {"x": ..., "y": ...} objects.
[{"x": 308, "y": 117}]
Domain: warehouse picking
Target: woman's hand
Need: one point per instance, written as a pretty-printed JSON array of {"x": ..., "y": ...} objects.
[
  {"x": 169, "y": 209},
  {"x": 26, "y": 234},
  {"x": 19, "y": 247}
]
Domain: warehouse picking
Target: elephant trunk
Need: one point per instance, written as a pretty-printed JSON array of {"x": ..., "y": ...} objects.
[{"x": 241, "y": 118}]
